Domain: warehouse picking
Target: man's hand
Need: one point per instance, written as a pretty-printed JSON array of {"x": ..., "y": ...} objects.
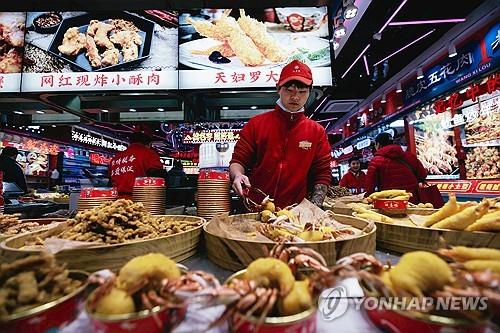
[
  {"x": 319, "y": 194},
  {"x": 238, "y": 180}
]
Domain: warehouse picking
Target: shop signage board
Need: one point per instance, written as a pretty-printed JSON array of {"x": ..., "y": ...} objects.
[
  {"x": 299, "y": 33},
  {"x": 198, "y": 137},
  {"x": 29, "y": 144},
  {"x": 473, "y": 59},
  {"x": 473, "y": 186},
  {"x": 100, "y": 159},
  {"x": 113, "y": 51},
  {"x": 363, "y": 144},
  {"x": 96, "y": 139},
  {"x": 12, "y": 42}
]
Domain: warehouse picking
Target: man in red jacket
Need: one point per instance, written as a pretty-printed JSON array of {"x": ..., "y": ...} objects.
[
  {"x": 393, "y": 168},
  {"x": 354, "y": 179},
  {"x": 138, "y": 160},
  {"x": 283, "y": 152}
]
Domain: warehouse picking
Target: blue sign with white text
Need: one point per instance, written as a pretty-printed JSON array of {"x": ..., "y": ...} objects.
[{"x": 473, "y": 59}]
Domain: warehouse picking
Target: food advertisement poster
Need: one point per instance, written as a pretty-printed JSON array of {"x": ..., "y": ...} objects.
[
  {"x": 436, "y": 147},
  {"x": 482, "y": 121},
  {"x": 224, "y": 48},
  {"x": 33, "y": 163},
  {"x": 12, "y": 27},
  {"x": 115, "y": 50}
]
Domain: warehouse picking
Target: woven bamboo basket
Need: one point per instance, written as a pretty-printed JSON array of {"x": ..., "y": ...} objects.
[
  {"x": 401, "y": 239},
  {"x": 178, "y": 247},
  {"x": 42, "y": 222},
  {"x": 236, "y": 254}
]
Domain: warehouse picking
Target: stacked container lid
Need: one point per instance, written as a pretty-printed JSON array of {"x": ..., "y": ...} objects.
[
  {"x": 91, "y": 197},
  {"x": 213, "y": 193},
  {"x": 151, "y": 192}
]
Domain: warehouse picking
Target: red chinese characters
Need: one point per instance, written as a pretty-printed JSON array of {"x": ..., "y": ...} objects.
[
  {"x": 2, "y": 81},
  {"x": 47, "y": 81}
]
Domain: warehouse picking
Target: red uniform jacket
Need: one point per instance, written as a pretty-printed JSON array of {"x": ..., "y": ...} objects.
[
  {"x": 136, "y": 161},
  {"x": 351, "y": 181},
  {"x": 385, "y": 171},
  {"x": 285, "y": 153}
]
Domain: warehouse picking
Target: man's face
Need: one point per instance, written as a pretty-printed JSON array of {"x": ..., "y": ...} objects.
[
  {"x": 293, "y": 98},
  {"x": 355, "y": 165}
]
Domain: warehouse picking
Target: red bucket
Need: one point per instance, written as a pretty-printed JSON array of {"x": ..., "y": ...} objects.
[{"x": 48, "y": 316}]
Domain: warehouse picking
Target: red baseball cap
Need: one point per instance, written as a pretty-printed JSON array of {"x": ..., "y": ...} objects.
[{"x": 296, "y": 70}]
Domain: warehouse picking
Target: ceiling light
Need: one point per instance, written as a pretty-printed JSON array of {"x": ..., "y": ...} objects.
[
  {"x": 340, "y": 30},
  {"x": 253, "y": 107},
  {"x": 40, "y": 112},
  {"x": 18, "y": 112},
  {"x": 406, "y": 46},
  {"x": 383, "y": 100},
  {"x": 371, "y": 107},
  {"x": 340, "y": 130},
  {"x": 54, "y": 126},
  {"x": 420, "y": 73},
  {"x": 105, "y": 111},
  {"x": 157, "y": 130},
  {"x": 350, "y": 11},
  {"x": 356, "y": 60},
  {"x": 132, "y": 110},
  {"x": 392, "y": 16},
  {"x": 399, "y": 88},
  {"x": 452, "y": 50},
  {"x": 456, "y": 20},
  {"x": 366, "y": 65},
  {"x": 161, "y": 109},
  {"x": 225, "y": 108}
]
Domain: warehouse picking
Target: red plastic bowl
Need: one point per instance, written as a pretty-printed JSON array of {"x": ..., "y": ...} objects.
[{"x": 53, "y": 315}]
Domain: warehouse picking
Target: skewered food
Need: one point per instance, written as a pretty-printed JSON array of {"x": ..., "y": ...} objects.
[
  {"x": 29, "y": 282},
  {"x": 73, "y": 42}
]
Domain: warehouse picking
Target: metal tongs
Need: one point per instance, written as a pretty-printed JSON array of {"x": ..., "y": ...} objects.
[{"x": 249, "y": 204}]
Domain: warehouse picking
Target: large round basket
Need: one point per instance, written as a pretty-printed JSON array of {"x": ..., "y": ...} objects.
[
  {"x": 43, "y": 222},
  {"x": 178, "y": 247},
  {"x": 401, "y": 239},
  {"x": 236, "y": 254}
]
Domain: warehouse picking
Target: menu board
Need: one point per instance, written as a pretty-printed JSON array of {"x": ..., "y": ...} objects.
[
  {"x": 114, "y": 50},
  {"x": 247, "y": 48},
  {"x": 12, "y": 27}
]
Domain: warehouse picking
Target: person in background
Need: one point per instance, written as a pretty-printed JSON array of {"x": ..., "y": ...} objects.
[
  {"x": 138, "y": 160},
  {"x": 393, "y": 168},
  {"x": 354, "y": 179},
  {"x": 176, "y": 177},
  {"x": 283, "y": 152},
  {"x": 54, "y": 178},
  {"x": 12, "y": 171}
]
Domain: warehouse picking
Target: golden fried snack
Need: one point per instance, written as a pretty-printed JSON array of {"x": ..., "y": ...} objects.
[
  {"x": 129, "y": 41},
  {"x": 110, "y": 57},
  {"x": 264, "y": 41},
  {"x": 246, "y": 50},
  {"x": 228, "y": 24},
  {"x": 463, "y": 219},
  {"x": 122, "y": 25},
  {"x": 101, "y": 35},
  {"x": 489, "y": 222},
  {"x": 73, "y": 42},
  {"x": 482, "y": 265},
  {"x": 11, "y": 62},
  {"x": 92, "y": 28},
  {"x": 463, "y": 253},
  {"x": 208, "y": 29},
  {"x": 223, "y": 48},
  {"x": 93, "y": 52},
  {"x": 451, "y": 207}
]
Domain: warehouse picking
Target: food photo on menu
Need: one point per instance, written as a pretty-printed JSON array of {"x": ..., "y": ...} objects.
[
  {"x": 11, "y": 49},
  {"x": 241, "y": 47},
  {"x": 142, "y": 44}
]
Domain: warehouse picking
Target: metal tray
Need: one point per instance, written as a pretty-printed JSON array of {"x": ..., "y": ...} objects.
[{"x": 80, "y": 61}]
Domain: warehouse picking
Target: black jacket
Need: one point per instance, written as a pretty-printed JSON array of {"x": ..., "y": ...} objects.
[{"x": 12, "y": 172}]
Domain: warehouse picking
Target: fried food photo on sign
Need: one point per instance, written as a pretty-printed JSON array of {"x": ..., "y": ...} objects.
[
  {"x": 11, "y": 42},
  {"x": 245, "y": 38},
  {"x": 106, "y": 43}
]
